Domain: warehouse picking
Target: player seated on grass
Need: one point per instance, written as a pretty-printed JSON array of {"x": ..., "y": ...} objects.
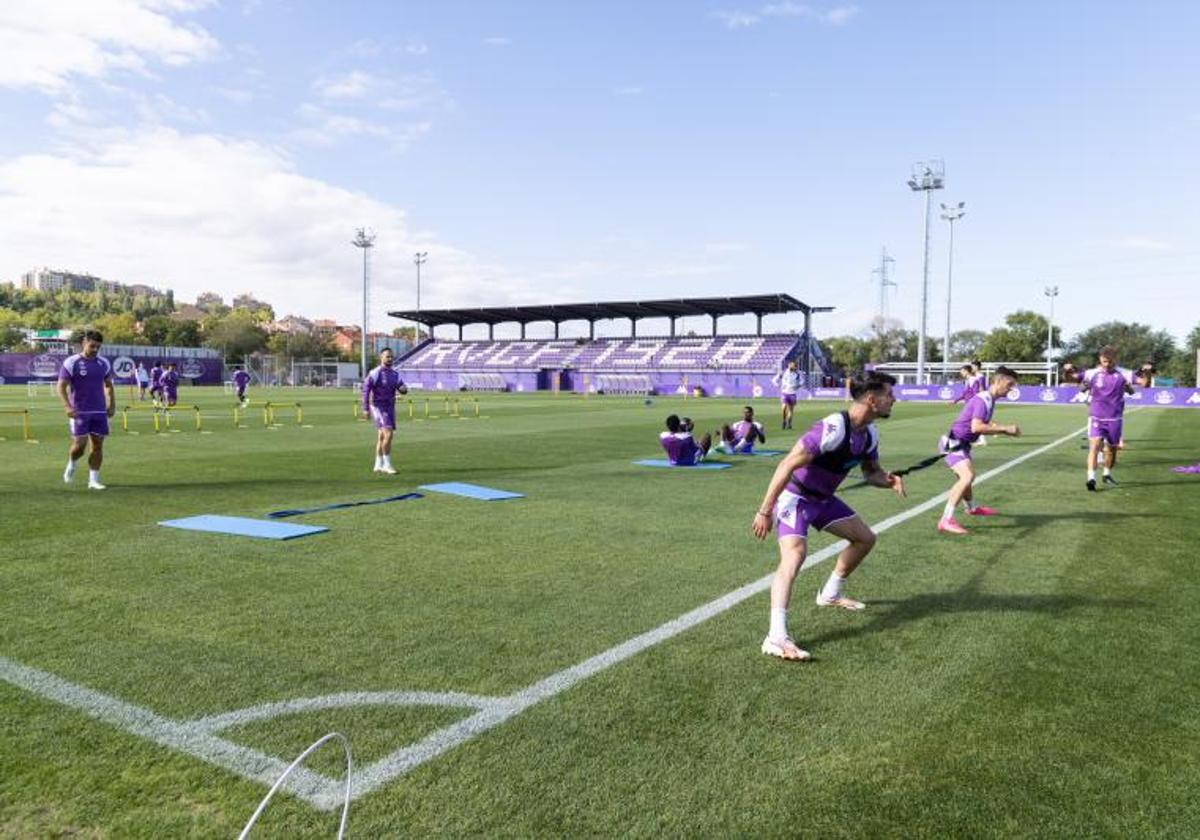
[
  {"x": 170, "y": 386},
  {"x": 801, "y": 494},
  {"x": 379, "y": 401},
  {"x": 240, "y": 380},
  {"x": 681, "y": 448},
  {"x": 85, "y": 387},
  {"x": 974, "y": 421},
  {"x": 742, "y": 435},
  {"x": 1107, "y": 386}
]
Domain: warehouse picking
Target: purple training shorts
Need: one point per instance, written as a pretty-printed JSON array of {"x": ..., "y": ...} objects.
[
  {"x": 385, "y": 418},
  {"x": 960, "y": 452},
  {"x": 787, "y": 399},
  {"x": 89, "y": 424},
  {"x": 793, "y": 514},
  {"x": 1107, "y": 430}
]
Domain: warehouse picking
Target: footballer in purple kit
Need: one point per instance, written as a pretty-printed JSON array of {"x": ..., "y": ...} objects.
[
  {"x": 741, "y": 436},
  {"x": 379, "y": 392},
  {"x": 682, "y": 449},
  {"x": 169, "y": 386},
  {"x": 85, "y": 387},
  {"x": 240, "y": 380},
  {"x": 1107, "y": 386},
  {"x": 788, "y": 381},
  {"x": 801, "y": 494},
  {"x": 973, "y": 422}
]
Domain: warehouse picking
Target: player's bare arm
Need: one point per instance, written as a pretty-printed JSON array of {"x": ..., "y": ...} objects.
[
  {"x": 794, "y": 460},
  {"x": 877, "y": 476},
  {"x": 61, "y": 388},
  {"x": 979, "y": 427}
]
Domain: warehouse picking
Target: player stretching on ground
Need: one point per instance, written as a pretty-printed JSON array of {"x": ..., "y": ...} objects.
[
  {"x": 788, "y": 381},
  {"x": 379, "y": 400},
  {"x": 169, "y": 386},
  {"x": 742, "y": 435},
  {"x": 1108, "y": 386},
  {"x": 156, "y": 373},
  {"x": 240, "y": 380},
  {"x": 974, "y": 421},
  {"x": 87, "y": 376},
  {"x": 801, "y": 494},
  {"x": 681, "y": 448}
]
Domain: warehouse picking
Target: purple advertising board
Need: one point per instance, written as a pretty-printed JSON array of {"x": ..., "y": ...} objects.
[{"x": 23, "y": 367}]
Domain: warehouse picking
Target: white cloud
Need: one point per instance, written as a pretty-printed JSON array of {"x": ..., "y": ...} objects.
[
  {"x": 195, "y": 212},
  {"x": 741, "y": 19},
  {"x": 45, "y": 45},
  {"x": 497, "y": 41},
  {"x": 353, "y": 85}
]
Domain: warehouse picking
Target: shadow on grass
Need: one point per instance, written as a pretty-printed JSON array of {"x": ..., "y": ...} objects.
[{"x": 969, "y": 599}]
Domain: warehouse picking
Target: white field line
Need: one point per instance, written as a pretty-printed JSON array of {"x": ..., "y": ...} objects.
[{"x": 197, "y": 737}]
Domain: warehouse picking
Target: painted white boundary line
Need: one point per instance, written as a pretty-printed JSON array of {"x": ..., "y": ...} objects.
[{"x": 197, "y": 737}]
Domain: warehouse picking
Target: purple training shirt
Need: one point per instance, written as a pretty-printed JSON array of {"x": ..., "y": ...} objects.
[
  {"x": 380, "y": 387},
  {"x": 681, "y": 448},
  {"x": 836, "y": 449},
  {"x": 979, "y": 407},
  {"x": 1108, "y": 392},
  {"x": 87, "y": 378}
]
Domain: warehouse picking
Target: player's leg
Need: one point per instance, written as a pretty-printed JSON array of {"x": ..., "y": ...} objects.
[
  {"x": 78, "y": 446},
  {"x": 1094, "y": 440},
  {"x": 964, "y": 477},
  {"x": 386, "y": 420},
  {"x": 860, "y": 539},
  {"x": 1113, "y": 437},
  {"x": 95, "y": 460},
  {"x": 705, "y": 444},
  {"x": 793, "y": 548},
  {"x": 783, "y": 412}
]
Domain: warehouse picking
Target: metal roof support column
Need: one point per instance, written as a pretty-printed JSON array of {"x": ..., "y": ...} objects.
[
  {"x": 806, "y": 354},
  {"x": 672, "y": 327},
  {"x": 556, "y": 329},
  {"x": 491, "y": 337},
  {"x": 591, "y": 330},
  {"x": 460, "y": 332},
  {"x": 714, "y": 317},
  {"x": 522, "y": 330},
  {"x": 633, "y": 326},
  {"x": 758, "y": 330}
]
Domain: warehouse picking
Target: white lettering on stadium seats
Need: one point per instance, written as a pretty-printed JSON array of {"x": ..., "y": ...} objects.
[
  {"x": 509, "y": 352},
  {"x": 547, "y": 350},
  {"x": 603, "y": 357},
  {"x": 638, "y": 353},
  {"x": 699, "y": 346},
  {"x": 737, "y": 351}
]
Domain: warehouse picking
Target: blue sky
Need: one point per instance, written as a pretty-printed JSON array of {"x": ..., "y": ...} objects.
[{"x": 546, "y": 152}]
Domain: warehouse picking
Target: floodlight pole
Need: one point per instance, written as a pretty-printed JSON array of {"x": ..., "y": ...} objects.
[
  {"x": 1052, "y": 293},
  {"x": 419, "y": 258},
  {"x": 927, "y": 177},
  {"x": 951, "y": 215},
  {"x": 365, "y": 240}
]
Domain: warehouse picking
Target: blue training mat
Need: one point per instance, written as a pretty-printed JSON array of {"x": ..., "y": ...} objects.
[
  {"x": 663, "y": 462},
  {"x": 241, "y": 527},
  {"x": 471, "y": 491},
  {"x": 403, "y": 497},
  {"x": 766, "y": 453}
]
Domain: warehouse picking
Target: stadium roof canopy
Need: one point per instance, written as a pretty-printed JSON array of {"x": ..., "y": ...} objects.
[{"x": 635, "y": 310}]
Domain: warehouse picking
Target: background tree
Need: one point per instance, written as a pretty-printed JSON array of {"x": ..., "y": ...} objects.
[
  {"x": 183, "y": 333},
  {"x": 965, "y": 344},
  {"x": 300, "y": 345},
  {"x": 212, "y": 303},
  {"x": 235, "y": 334},
  {"x": 1134, "y": 344},
  {"x": 155, "y": 329},
  {"x": 119, "y": 329}
]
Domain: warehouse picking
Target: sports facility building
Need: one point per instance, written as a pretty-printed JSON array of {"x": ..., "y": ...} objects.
[{"x": 720, "y": 365}]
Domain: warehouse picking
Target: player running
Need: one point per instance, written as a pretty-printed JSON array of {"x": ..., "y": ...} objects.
[
  {"x": 1107, "y": 385},
  {"x": 85, "y": 387},
  {"x": 681, "y": 448},
  {"x": 801, "y": 493},
  {"x": 143, "y": 380},
  {"x": 739, "y": 439},
  {"x": 169, "y": 386},
  {"x": 156, "y": 373},
  {"x": 788, "y": 381},
  {"x": 974, "y": 421},
  {"x": 379, "y": 392},
  {"x": 240, "y": 380}
]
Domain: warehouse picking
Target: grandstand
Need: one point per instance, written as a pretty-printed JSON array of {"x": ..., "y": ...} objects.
[{"x": 719, "y": 365}]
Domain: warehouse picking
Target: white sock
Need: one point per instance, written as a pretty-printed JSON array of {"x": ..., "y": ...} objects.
[
  {"x": 778, "y": 629},
  {"x": 1107, "y": 471},
  {"x": 70, "y": 465},
  {"x": 1091, "y": 475},
  {"x": 833, "y": 587},
  {"x": 378, "y": 461},
  {"x": 94, "y": 475},
  {"x": 387, "y": 460},
  {"x": 948, "y": 511}
]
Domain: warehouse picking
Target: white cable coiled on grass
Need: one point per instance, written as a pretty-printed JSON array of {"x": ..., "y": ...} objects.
[{"x": 262, "y": 806}]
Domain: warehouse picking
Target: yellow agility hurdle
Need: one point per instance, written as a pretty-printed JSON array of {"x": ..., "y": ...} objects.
[
  {"x": 26, "y": 432},
  {"x": 270, "y": 408}
]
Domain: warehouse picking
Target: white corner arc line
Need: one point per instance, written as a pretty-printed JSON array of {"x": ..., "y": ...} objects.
[{"x": 197, "y": 738}]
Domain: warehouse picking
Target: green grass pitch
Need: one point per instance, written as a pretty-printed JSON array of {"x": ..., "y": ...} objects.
[{"x": 1037, "y": 678}]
